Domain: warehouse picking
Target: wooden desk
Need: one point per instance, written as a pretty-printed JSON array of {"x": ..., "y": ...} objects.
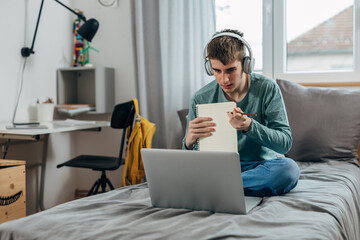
[{"x": 25, "y": 135}]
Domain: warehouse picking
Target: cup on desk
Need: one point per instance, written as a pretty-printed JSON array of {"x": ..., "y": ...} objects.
[{"x": 45, "y": 112}]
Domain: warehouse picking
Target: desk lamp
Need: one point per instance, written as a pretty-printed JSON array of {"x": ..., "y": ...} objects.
[{"x": 87, "y": 31}]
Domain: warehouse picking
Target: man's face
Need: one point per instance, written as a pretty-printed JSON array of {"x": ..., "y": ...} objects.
[{"x": 228, "y": 76}]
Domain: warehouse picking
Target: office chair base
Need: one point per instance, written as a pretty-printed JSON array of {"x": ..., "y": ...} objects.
[{"x": 102, "y": 182}]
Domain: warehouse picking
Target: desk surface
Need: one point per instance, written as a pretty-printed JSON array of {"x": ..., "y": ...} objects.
[
  {"x": 68, "y": 125},
  {"x": 54, "y": 127}
]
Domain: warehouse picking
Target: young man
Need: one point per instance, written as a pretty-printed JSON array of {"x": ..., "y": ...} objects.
[{"x": 259, "y": 137}]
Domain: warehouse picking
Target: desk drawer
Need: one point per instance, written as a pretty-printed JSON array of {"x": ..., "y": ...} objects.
[{"x": 12, "y": 190}]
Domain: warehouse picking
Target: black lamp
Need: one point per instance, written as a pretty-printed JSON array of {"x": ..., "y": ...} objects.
[{"x": 87, "y": 30}]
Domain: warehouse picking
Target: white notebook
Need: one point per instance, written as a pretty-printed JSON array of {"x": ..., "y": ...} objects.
[{"x": 224, "y": 138}]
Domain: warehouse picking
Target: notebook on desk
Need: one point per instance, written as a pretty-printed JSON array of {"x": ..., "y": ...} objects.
[{"x": 196, "y": 180}]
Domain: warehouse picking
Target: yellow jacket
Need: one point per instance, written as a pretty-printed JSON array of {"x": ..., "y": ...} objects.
[{"x": 140, "y": 137}]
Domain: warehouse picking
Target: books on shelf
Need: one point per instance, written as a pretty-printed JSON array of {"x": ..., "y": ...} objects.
[
  {"x": 224, "y": 138},
  {"x": 74, "y": 109}
]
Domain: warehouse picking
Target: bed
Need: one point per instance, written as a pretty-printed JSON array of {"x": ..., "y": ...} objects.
[{"x": 324, "y": 205}]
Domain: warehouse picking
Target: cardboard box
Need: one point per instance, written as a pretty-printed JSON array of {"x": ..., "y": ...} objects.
[{"x": 12, "y": 190}]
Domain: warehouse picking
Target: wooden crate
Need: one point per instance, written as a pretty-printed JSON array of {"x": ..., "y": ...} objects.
[{"x": 12, "y": 190}]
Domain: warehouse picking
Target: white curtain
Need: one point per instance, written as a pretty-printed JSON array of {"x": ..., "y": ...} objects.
[{"x": 170, "y": 39}]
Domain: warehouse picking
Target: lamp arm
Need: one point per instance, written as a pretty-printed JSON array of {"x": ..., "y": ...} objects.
[
  {"x": 78, "y": 14},
  {"x": 26, "y": 52}
]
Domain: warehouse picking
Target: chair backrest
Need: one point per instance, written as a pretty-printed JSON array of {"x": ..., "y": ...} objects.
[
  {"x": 122, "y": 118},
  {"x": 123, "y": 115},
  {"x": 183, "y": 118}
]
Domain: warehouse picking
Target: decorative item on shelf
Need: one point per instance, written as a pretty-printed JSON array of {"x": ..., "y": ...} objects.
[
  {"x": 81, "y": 56},
  {"x": 78, "y": 58},
  {"x": 86, "y": 54}
]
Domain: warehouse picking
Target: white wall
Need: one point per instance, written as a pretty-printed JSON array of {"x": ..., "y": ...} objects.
[{"x": 53, "y": 49}]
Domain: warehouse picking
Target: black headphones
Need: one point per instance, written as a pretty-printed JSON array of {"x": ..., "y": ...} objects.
[{"x": 248, "y": 61}]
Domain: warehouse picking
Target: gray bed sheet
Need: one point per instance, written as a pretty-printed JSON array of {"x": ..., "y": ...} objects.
[{"x": 324, "y": 205}]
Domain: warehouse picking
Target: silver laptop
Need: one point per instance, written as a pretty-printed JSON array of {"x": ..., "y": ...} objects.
[{"x": 196, "y": 180}]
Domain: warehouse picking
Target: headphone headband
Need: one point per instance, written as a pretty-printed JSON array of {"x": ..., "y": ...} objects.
[
  {"x": 237, "y": 36},
  {"x": 248, "y": 61}
]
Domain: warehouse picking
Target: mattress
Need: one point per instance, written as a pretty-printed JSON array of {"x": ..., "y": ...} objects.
[{"x": 324, "y": 205}]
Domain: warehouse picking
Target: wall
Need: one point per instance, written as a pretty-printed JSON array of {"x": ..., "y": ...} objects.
[{"x": 53, "y": 49}]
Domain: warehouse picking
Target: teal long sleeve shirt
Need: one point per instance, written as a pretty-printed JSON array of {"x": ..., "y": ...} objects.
[{"x": 270, "y": 131}]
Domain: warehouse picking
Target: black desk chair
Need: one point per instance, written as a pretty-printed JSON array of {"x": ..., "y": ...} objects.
[{"x": 122, "y": 118}]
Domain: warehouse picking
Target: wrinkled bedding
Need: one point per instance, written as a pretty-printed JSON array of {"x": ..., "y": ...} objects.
[{"x": 324, "y": 205}]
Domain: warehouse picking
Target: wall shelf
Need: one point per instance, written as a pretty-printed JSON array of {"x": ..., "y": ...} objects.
[{"x": 87, "y": 85}]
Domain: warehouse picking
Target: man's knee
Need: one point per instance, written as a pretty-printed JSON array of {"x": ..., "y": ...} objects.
[
  {"x": 280, "y": 177},
  {"x": 287, "y": 175}
]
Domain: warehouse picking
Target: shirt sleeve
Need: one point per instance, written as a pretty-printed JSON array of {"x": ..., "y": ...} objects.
[
  {"x": 191, "y": 116},
  {"x": 275, "y": 133}
]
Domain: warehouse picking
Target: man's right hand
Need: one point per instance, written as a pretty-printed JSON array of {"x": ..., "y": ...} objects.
[{"x": 199, "y": 127}]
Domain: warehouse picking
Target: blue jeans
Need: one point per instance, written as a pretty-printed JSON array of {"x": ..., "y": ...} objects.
[{"x": 270, "y": 177}]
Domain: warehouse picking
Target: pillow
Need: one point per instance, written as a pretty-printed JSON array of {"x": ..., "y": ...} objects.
[{"x": 325, "y": 122}]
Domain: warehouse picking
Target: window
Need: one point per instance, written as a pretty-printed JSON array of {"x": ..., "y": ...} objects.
[
  {"x": 319, "y": 38},
  {"x": 299, "y": 40},
  {"x": 245, "y": 16}
]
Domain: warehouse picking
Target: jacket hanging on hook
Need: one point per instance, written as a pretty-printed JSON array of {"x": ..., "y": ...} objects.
[{"x": 140, "y": 137}]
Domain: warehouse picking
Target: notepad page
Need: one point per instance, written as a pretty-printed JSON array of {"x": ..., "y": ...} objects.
[{"x": 224, "y": 138}]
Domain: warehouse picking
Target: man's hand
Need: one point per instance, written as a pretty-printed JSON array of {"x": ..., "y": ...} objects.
[
  {"x": 239, "y": 121},
  {"x": 199, "y": 127}
]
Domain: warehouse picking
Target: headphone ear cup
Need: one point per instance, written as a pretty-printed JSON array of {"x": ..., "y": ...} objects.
[
  {"x": 208, "y": 67},
  {"x": 247, "y": 65}
]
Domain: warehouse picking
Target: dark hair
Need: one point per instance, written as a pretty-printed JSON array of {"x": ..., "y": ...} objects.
[{"x": 226, "y": 49}]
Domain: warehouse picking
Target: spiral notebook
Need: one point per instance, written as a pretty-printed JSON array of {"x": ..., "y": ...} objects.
[{"x": 224, "y": 138}]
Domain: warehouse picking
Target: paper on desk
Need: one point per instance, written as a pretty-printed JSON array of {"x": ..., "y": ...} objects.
[{"x": 73, "y": 122}]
